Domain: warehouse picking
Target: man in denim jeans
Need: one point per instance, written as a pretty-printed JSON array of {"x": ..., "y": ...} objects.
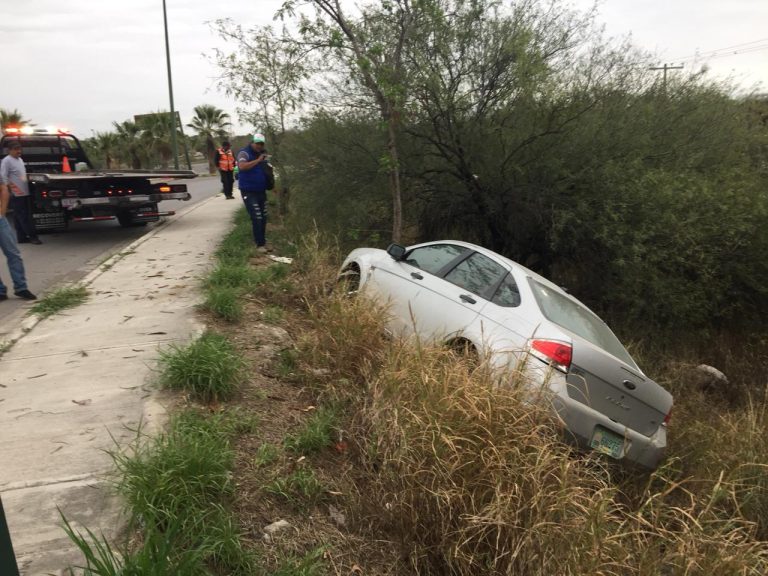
[
  {"x": 252, "y": 179},
  {"x": 11, "y": 251}
]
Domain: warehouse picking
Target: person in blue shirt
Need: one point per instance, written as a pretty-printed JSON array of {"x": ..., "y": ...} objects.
[{"x": 252, "y": 165}]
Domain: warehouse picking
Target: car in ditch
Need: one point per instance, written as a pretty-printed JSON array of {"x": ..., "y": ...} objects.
[{"x": 464, "y": 295}]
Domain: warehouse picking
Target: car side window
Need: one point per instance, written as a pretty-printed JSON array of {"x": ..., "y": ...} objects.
[
  {"x": 477, "y": 274},
  {"x": 434, "y": 258},
  {"x": 507, "y": 294}
]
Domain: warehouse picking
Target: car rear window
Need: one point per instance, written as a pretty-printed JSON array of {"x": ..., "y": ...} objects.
[{"x": 572, "y": 316}]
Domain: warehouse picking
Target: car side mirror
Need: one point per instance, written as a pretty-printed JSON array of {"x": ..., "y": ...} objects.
[{"x": 396, "y": 251}]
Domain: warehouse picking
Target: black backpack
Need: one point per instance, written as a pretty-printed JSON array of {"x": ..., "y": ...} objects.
[{"x": 269, "y": 170}]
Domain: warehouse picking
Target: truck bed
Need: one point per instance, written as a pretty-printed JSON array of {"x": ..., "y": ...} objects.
[{"x": 53, "y": 177}]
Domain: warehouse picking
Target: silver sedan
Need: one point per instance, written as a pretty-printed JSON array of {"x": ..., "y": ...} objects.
[{"x": 461, "y": 294}]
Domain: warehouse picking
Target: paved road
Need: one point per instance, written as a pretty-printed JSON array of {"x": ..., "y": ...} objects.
[{"x": 68, "y": 256}]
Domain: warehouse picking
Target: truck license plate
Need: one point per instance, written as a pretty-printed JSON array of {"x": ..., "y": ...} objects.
[
  {"x": 607, "y": 442},
  {"x": 69, "y": 202}
]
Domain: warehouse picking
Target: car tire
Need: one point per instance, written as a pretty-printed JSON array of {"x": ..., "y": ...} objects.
[
  {"x": 465, "y": 350},
  {"x": 348, "y": 281}
]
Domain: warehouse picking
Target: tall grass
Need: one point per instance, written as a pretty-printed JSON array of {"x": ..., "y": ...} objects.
[
  {"x": 470, "y": 478},
  {"x": 208, "y": 367}
]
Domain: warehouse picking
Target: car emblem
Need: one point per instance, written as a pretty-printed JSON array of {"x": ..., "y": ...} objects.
[{"x": 618, "y": 403}]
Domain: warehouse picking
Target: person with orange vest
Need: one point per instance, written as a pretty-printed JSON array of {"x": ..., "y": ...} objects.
[{"x": 225, "y": 160}]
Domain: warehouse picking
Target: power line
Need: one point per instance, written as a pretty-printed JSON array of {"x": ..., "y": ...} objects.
[{"x": 736, "y": 48}]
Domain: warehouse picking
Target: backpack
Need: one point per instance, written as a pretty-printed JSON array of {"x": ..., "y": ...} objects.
[{"x": 269, "y": 171}]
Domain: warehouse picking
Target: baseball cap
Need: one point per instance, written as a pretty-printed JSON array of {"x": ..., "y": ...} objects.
[{"x": 258, "y": 138}]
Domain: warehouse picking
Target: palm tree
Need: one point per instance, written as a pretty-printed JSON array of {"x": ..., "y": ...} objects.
[
  {"x": 131, "y": 149},
  {"x": 12, "y": 118},
  {"x": 108, "y": 146},
  {"x": 156, "y": 136},
  {"x": 211, "y": 124}
]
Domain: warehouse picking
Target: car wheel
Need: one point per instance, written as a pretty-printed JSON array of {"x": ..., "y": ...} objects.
[
  {"x": 465, "y": 350},
  {"x": 348, "y": 281}
]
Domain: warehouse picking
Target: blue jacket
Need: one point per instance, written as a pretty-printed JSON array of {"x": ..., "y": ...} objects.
[{"x": 255, "y": 179}]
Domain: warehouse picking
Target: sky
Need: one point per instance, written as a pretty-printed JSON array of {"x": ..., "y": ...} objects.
[{"x": 80, "y": 65}]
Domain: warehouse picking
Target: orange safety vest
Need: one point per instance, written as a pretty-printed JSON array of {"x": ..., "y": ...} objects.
[{"x": 226, "y": 160}]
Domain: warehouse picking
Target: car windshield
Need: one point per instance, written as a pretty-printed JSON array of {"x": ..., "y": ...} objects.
[{"x": 570, "y": 315}]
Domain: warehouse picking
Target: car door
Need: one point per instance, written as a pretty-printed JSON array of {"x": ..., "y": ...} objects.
[{"x": 508, "y": 323}]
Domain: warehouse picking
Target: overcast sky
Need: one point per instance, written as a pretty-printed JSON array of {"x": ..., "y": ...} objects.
[{"x": 83, "y": 64}]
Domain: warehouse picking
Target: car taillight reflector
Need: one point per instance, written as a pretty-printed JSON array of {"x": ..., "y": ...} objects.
[
  {"x": 667, "y": 417},
  {"x": 55, "y": 194},
  {"x": 71, "y": 193},
  {"x": 557, "y": 354}
]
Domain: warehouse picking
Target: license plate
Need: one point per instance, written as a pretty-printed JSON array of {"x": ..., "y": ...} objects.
[
  {"x": 607, "y": 442},
  {"x": 69, "y": 202}
]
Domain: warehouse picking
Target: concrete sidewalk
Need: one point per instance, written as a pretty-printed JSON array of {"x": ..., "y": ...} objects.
[{"x": 82, "y": 378}]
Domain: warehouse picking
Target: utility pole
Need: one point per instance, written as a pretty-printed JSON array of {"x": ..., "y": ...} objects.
[
  {"x": 665, "y": 68},
  {"x": 174, "y": 144}
]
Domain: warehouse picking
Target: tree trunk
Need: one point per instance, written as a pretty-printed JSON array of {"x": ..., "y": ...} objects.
[
  {"x": 394, "y": 178},
  {"x": 211, "y": 152}
]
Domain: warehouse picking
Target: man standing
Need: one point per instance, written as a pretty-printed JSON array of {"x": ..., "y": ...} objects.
[
  {"x": 11, "y": 251},
  {"x": 252, "y": 163},
  {"x": 225, "y": 160},
  {"x": 14, "y": 174}
]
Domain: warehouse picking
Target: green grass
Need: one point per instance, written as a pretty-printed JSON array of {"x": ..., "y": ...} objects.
[
  {"x": 181, "y": 483},
  {"x": 315, "y": 434},
  {"x": 61, "y": 299},
  {"x": 287, "y": 363},
  {"x": 209, "y": 368},
  {"x": 299, "y": 488},
  {"x": 265, "y": 455},
  {"x": 225, "y": 302},
  {"x": 311, "y": 564},
  {"x": 273, "y": 314}
]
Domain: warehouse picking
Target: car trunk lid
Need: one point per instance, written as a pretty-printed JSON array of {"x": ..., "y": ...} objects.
[{"x": 610, "y": 386}]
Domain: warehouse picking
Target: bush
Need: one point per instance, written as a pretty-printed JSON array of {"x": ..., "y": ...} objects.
[{"x": 224, "y": 302}]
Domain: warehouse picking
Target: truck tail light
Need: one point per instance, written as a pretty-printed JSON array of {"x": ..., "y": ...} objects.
[
  {"x": 54, "y": 194},
  {"x": 165, "y": 188}
]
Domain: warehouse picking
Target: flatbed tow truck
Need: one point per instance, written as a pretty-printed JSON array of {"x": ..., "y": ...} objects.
[{"x": 65, "y": 187}]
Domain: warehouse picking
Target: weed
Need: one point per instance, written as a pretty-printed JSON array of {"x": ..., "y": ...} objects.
[
  {"x": 230, "y": 274},
  {"x": 311, "y": 564},
  {"x": 300, "y": 487},
  {"x": 225, "y": 302},
  {"x": 273, "y": 314},
  {"x": 5, "y": 345},
  {"x": 315, "y": 434},
  {"x": 265, "y": 455},
  {"x": 61, "y": 299},
  {"x": 287, "y": 363},
  {"x": 182, "y": 480},
  {"x": 209, "y": 368}
]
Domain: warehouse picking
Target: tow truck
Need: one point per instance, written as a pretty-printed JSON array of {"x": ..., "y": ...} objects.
[{"x": 65, "y": 187}]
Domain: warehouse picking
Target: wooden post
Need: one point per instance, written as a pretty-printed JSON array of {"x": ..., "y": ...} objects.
[{"x": 8, "y": 565}]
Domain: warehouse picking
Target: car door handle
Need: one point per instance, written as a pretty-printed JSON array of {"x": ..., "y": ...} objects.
[
  {"x": 468, "y": 299},
  {"x": 417, "y": 276}
]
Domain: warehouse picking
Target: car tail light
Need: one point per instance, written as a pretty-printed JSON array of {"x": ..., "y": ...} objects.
[
  {"x": 556, "y": 354},
  {"x": 165, "y": 188},
  {"x": 667, "y": 417}
]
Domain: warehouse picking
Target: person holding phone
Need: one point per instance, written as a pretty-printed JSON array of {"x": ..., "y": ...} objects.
[{"x": 252, "y": 164}]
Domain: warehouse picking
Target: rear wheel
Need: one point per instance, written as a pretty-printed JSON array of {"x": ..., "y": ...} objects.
[{"x": 465, "y": 350}]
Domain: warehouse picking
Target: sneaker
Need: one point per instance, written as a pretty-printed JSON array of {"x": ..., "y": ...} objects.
[
  {"x": 261, "y": 250},
  {"x": 36, "y": 241},
  {"x": 26, "y": 295},
  {"x": 230, "y": 197},
  {"x": 3, "y": 297}
]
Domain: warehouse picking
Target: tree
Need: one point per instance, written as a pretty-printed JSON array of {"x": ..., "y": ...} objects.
[
  {"x": 12, "y": 118},
  {"x": 269, "y": 83},
  {"x": 104, "y": 149},
  {"x": 371, "y": 46},
  {"x": 211, "y": 124},
  {"x": 131, "y": 149}
]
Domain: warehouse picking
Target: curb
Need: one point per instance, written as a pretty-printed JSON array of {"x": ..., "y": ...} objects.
[{"x": 29, "y": 323}]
